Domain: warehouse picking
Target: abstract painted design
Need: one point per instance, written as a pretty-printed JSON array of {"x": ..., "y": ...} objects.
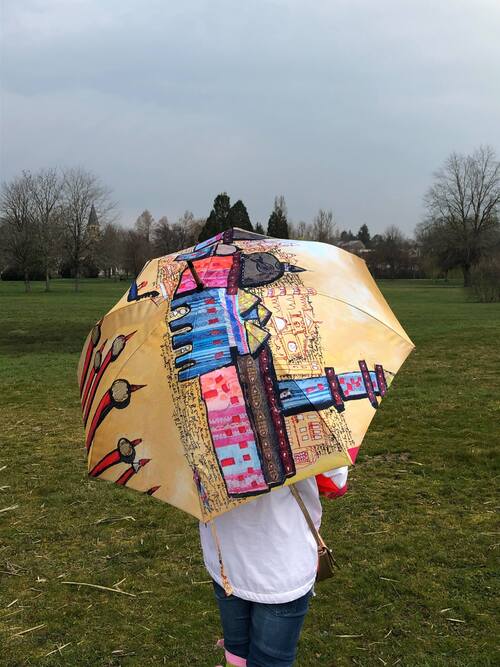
[
  {"x": 235, "y": 367},
  {"x": 221, "y": 340}
]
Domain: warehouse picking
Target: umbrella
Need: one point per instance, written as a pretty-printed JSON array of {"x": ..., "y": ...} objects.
[{"x": 235, "y": 367}]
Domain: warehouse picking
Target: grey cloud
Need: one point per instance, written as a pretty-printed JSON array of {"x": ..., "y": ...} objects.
[{"x": 346, "y": 104}]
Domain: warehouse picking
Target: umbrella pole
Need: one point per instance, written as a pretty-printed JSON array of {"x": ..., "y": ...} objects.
[{"x": 194, "y": 273}]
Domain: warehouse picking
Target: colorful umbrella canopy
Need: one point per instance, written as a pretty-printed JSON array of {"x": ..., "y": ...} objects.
[{"x": 235, "y": 367}]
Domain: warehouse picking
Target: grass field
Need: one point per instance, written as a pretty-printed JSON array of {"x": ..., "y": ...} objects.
[{"x": 416, "y": 535}]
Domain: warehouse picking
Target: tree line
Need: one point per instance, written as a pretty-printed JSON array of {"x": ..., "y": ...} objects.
[
  {"x": 48, "y": 221},
  {"x": 64, "y": 222}
]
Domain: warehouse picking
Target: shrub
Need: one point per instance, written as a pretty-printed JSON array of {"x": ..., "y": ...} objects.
[
  {"x": 485, "y": 279},
  {"x": 15, "y": 273}
]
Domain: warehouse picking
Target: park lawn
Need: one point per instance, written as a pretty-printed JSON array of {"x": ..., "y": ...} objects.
[{"x": 416, "y": 534}]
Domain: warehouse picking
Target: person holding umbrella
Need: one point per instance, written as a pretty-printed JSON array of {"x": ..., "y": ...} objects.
[
  {"x": 236, "y": 381},
  {"x": 270, "y": 558}
]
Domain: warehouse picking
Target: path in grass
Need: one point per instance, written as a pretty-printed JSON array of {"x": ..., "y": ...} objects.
[{"x": 415, "y": 535}]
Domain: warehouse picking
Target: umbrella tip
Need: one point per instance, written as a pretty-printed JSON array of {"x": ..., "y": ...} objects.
[{"x": 292, "y": 268}]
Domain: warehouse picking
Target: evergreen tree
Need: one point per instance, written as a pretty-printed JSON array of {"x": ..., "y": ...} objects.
[
  {"x": 218, "y": 218},
  {"x": 259, "y": 229},
  {"x": 209, "y": 229},
  {"x": 222, "y": 206},
  {"x": 347, "y": 236},
  {"x": 238, "y": 216},
  {"x": 278, "y": 224},
  {"x": 364, "y": 235}
]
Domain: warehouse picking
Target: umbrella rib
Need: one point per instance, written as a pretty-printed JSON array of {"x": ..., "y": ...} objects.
[
  {"x": 318, "y": 412},
  {"x": 129, "y": 304},
  {"x": 336, "y": 298}
]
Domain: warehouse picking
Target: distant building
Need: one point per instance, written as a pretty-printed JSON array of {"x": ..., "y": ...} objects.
[
  {"x": 92, "y": 238},
  {"x": 357, "y": 247},
  {"x": 93, "y": 226}
]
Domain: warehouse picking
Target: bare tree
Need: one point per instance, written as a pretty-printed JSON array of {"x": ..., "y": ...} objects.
[
  {"x": 110, "y": 249},
  {"x": 81, "y": 190},
  {"x": 169, "y": 238},
  {"x": 19, "y": 228},
  {"x": 46, "y": 188},
  {"x": 163, "y": 241},
  {"x": 145, "y": 225},
  {"x": 188, "y": 229},
  {"x": 464, "y": 204},
  {"x": 323, "y": 227},
  {"x": 438, "y": 256},
  {"x": 298, "y": 230},
  {"x": 391, "y": 252},
  {"x": 280, "y": 204},
  {"x": 135, "y": 252}
]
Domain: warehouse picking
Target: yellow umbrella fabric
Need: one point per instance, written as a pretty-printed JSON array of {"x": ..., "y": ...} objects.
[{"x": 235, "y": 367}]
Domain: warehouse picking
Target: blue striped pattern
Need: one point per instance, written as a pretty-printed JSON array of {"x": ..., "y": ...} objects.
[
  {"x": 314, "y": 393},
  {"x": 201, "y": 358}
]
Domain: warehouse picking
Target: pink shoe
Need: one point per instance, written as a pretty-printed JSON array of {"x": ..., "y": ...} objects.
[
  {"x": 234, "y": 660},
  {"x": 231, "y": 659}
]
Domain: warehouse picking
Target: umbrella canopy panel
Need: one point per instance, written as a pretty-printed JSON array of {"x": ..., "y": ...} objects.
[{"x": 236, "y": 367}]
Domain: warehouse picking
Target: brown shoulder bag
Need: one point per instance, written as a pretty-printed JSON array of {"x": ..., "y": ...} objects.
[{"x": 326, "y": 561}]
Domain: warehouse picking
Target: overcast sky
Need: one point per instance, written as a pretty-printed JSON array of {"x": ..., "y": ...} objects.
[{"x": 342, "y": 104}]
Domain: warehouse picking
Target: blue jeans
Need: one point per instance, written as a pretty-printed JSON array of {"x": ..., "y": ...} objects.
[{"x": 265, "y": 634}]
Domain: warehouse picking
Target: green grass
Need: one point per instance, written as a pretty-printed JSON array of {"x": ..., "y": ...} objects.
[{"x": 416, "y": 534}]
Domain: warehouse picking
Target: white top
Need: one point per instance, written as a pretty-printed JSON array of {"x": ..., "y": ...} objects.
[{"x": 268, "y": 550}]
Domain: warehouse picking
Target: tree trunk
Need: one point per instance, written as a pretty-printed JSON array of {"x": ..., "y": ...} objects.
[
  {"x": 27, "y": 284},
  {"x": 47, "y": 279},
  {"x": 77, "y": 278},
  {"x": 466, "y": 272}
]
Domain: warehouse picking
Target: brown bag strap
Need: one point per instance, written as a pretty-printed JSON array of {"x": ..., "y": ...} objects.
[{"x": 307, "y": 516}]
